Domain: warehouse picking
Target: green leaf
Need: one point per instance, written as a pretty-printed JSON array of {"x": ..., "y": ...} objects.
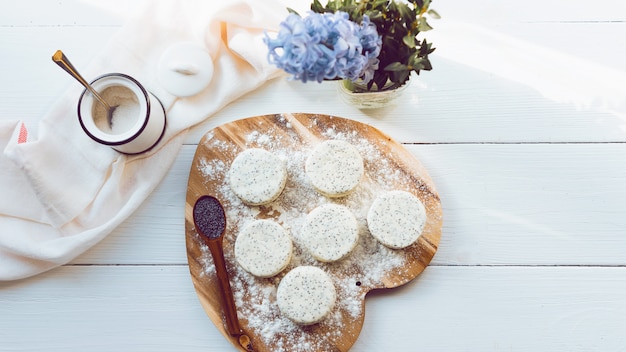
[
  {"x": 317, "y": 7},
  {"x": 434, "y": 14},
  {"x": 422, "y": 25},
  {"x": 405, "y": 12},
  {"x": 380, "y": 78},
  {"x": 379, "y": 3},
  {"x": 290, "y": 10},
  {"x": 409, "y": 40},
  {"x": 415, "y": 61},
  {"x": 425, "y": 48},
  {"x": 393, "y": 6},
  {"x": 375, "y": 16},
  {"x": 427, "y": 65},
  {"x": 396, "y": 67},
  {"x": 400, "y": 76}
]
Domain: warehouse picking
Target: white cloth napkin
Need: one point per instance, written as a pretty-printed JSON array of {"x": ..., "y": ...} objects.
[{"x": 62, "y": 193}]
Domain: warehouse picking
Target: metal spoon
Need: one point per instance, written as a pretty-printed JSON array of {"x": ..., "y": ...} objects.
[
  {"x": 210, "y": 222},
  {"x": 60, "y": 59}
]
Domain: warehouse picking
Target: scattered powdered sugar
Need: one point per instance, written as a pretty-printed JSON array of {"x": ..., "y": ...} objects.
[
  {"x": 366, "y": 267},
  {"x": 212, "y": 168}
]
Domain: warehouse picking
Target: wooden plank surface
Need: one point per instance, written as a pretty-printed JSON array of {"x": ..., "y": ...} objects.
[
  {"x": 154, "y": 308},
  {"x": 531, "y": 255},
  {"x": 504, "y": 204},
  {"x": 470, "y": 104}
]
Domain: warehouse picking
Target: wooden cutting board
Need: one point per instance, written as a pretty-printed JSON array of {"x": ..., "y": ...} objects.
[{"x": 388, "y": 166}]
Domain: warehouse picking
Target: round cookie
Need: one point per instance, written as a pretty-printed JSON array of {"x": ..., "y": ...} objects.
[
  {"x": 330, "y": 232},
  {"x": 396, "y": 219},
  {"x": 306, "y": 295},
  {"x": 263, "y": 248},
  {"x": 335, "y": 168},
  {"x": 257, "y": 176}
]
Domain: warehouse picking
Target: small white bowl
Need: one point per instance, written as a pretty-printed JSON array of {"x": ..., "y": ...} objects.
[{"x": 140, "y": 133}]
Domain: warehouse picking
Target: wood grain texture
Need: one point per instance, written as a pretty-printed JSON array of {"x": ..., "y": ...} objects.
[
  {"x": 301, "y": 132},
  {"x": 447, "y": 308}
]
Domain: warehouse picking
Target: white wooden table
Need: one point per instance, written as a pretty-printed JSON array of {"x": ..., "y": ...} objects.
[{"x": 533, "y": 249}]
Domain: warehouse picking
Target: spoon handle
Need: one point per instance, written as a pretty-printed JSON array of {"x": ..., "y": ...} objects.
[
  {"x": 60, "y": 59},
  {"x": 217, "y": 252}
]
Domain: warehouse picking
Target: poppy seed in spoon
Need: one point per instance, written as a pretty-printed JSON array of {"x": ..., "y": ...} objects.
[{"x": 209, "y": 218}]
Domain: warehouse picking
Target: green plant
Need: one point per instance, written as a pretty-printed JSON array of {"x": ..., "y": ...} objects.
[{"x": 399, "y": 23}]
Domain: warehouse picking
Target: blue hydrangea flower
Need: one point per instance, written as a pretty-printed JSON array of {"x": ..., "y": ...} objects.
[
  {"x": 324, "y": 47},
  {"x": 372, "y": 43}
]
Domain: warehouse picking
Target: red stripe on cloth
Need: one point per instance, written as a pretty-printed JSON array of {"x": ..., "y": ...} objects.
[{"x": 23, "y": 136}]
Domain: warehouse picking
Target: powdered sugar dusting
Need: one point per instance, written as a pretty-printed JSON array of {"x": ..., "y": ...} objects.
[{"x": 366, "y": 267}]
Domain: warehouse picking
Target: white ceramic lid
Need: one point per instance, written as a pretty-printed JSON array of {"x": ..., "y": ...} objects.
[{"x": 185, "y": 69}]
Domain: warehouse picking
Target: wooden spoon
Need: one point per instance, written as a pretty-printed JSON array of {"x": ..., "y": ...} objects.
[{"x": 210, "y": 222}]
